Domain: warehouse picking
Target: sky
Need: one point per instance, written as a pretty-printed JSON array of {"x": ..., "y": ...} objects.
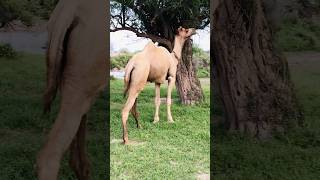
[{"x": 127, "y": 40}]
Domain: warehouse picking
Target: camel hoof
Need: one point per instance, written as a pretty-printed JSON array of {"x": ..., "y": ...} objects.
[
  {"x": 126, "y": 142},
  {"x": 170, "y": 121},
  {"x": 155, "y": 120}
]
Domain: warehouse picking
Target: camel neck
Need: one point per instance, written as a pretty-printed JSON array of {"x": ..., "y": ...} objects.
[{"x": 178, "y": 45}]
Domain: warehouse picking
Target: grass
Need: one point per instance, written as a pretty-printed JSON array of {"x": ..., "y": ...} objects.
[
  {"x": 23, "y": 127},
  {"x": 295, "y": 155},
  {"x": 167, "y": 151},
  {"x": 298, "y": 35}
]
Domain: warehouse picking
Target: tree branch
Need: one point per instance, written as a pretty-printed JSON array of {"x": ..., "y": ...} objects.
[{"x": 145, "y": 35}]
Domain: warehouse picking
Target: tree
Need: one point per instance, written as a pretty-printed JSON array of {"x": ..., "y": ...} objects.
[
  {"x": 253, "y": 78},
  {"x": 158, "y": 20}
]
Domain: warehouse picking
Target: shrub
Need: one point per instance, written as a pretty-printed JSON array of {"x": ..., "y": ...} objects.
[
  {"x": 201, "y": 59},
  {"x": 120, "y": 61},
  {"x": 7, "y": 51}
]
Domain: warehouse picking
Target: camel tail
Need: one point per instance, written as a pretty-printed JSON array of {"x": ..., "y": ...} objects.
[
  {"x": 59, "y": 28},
  {"x": 127, "y": 78}
]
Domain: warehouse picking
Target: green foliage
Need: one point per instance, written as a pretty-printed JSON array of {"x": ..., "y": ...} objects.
[
  {"x": 298, "y": 35},
  {"x": 6, "y": 51},
  {"x": 201, "y": 60},
  {"x": 168, "y": 151},
  {"x": 158, "y": 17},
  {"x": 120, "y": 61}
]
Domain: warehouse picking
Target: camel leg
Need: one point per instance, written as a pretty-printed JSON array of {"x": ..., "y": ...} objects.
[
  {"x": 132, "y": 95},
  {"x": 135, "y": 113},
  {"x": 73, "y": 107},
  {"x": 79, "y": 160},
  {"x": 157, "y": 102},
  {"x": 171, "y": 82}
]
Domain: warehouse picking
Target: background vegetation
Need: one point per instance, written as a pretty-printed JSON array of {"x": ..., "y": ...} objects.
[
  {"x": 25, "y": 10},
  {"x": 6, "y": 51}
]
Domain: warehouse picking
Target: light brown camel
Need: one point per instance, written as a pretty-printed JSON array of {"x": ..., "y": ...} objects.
[
  {"x": 77, "y": 66},
  {"x": 153, "y": 64}
]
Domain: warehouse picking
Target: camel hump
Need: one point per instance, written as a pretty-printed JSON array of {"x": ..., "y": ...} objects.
[{"x": 150, "y": 45}]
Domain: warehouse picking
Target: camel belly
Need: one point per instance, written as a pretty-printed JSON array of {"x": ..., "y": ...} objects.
[{"x": 157, "y": 74}]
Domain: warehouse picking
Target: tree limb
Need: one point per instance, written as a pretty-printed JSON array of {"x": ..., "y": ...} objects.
[{"x": 145, "y": 35}]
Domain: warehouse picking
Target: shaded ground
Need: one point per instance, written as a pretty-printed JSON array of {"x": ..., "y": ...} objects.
[
  {"x": 161, "y": 151},
  {"x": 295, "y": 155}
]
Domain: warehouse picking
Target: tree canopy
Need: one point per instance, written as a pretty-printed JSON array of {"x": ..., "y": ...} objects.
[{"x": 158, "y": 19}]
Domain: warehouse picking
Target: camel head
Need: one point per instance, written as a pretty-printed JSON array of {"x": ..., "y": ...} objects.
[{"x": 185, "y": 33}]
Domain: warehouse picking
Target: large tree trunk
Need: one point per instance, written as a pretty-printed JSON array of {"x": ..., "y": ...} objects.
[
  {"x": 253, "y": 80},
  {"x": 187, "y": 84}
]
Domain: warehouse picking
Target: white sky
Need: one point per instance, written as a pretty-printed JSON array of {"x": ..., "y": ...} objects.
[{"x": 128, "y": 40}]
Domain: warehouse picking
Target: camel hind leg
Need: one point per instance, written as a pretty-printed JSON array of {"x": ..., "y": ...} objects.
[
  {"x": 79, "y": 160},
  {"x": 169, "y": 101},
  {"x": 132, "y": 96},
  {"x": 157, "y": 102},
  {"x": 73, "y": 107},
  {"x": 135, "y": 113}
]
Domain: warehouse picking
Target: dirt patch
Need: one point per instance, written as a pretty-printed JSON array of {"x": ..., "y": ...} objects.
[
  {"x": 135, "y": 143},
  {"x": 116, "y": 141},
  {"x": 131, "y": 142},
  {"x": 203, "y": 176},
  {"x": 205, "y": 81}
]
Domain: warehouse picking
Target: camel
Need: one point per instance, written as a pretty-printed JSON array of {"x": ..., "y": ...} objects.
[
  {"x": 153, "y": 64},
  {"x": 77, "y": 67}
]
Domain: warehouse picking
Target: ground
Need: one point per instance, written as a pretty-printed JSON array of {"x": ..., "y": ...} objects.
[
  {"x": 295, "y": 155},
  {"x": 162, "y": 151},
  {"x": 179, "y": 150},
  {"x": 23, "y": 126}
]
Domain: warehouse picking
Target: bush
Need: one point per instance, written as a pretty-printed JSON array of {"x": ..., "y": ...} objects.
[
  {"x": 120, "y": 61},
  {"x": 7, "y": 51},
  {"x": 201, "y": 60}
]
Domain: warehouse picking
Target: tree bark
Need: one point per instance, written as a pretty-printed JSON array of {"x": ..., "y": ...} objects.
[
  {"x": 253, "y": 79},
  {"x": 187, "y": 84}
]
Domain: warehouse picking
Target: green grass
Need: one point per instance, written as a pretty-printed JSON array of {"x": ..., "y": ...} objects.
[
  {"x": 298, "y": 35},
  {"x": 168, "y": 151},
  {"x": 23, "y": 127},
  {"x": 295, "y": 155}
]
